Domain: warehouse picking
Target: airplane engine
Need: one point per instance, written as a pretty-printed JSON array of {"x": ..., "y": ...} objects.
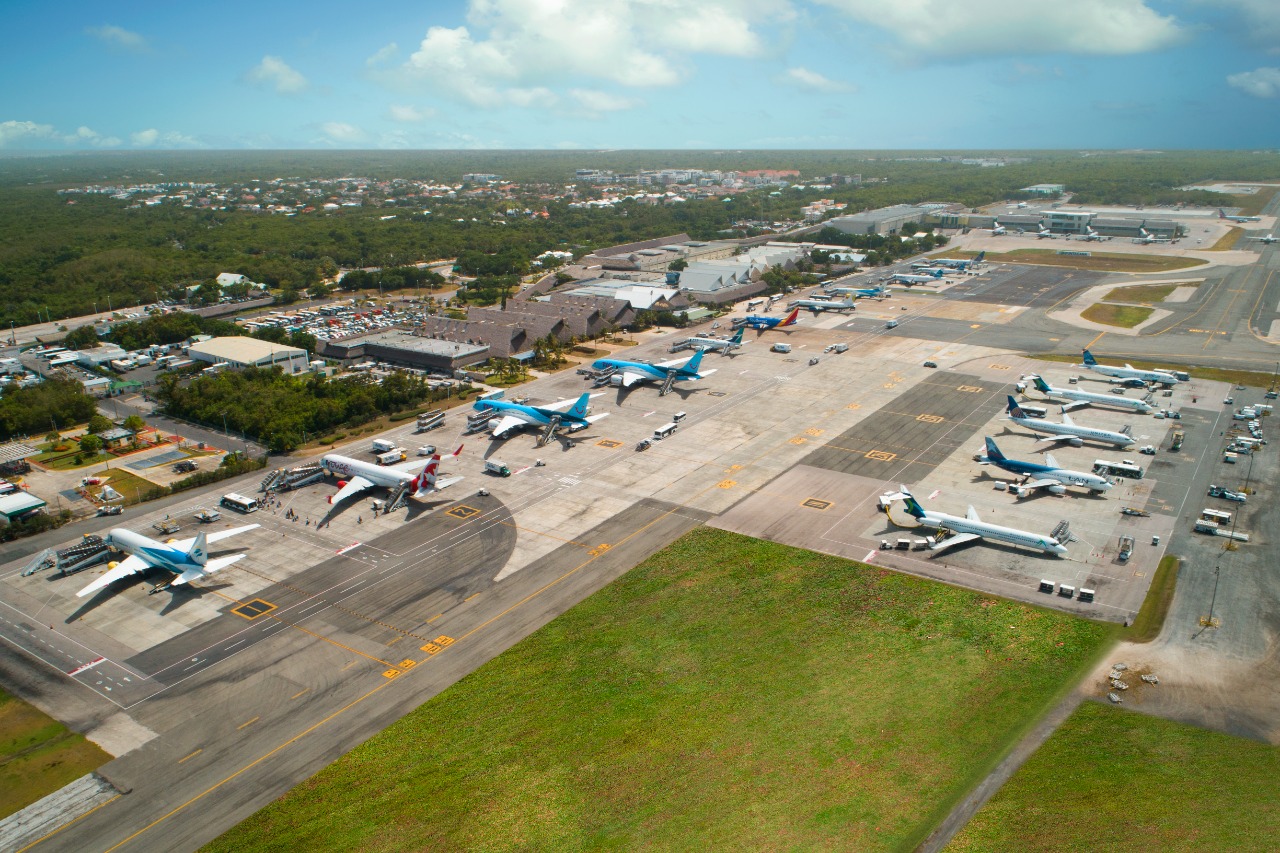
[
  {"x": 615, "y": 381},
  {"x": 170, "y": 541},
  {"x": 1058, "y": 489},
  {"x": 113, "y": 564},
  {"x": 1076, "y": 441}
]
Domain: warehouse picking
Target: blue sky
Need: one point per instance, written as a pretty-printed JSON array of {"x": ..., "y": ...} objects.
[{"x": 976, "y": 74}]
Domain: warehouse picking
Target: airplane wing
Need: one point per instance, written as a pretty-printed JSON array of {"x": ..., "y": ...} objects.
[
  {"x": 353, "y": 487},
  {"x": 1077, "y": 404},
  {"x": 1038, "y": 484},
  {"x": 129, "y": 566},
  {"x": 1056, "y": 438},
  {"x": 210, "y": 538},
  {"x": 952, "y": 541},
  {"x": 630, "y": 378},
  {"x": 972, "y": 514},
  {"x": 506, "y": 424}
]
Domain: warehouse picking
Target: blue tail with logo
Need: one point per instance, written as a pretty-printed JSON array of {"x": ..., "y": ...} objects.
[
  {"x": 580, "y": 408},
  {"x": 993, "y": 452},
  {"x": 913, "y": 508},
  {"x": 690, "y": 367},
  {"x": 1089, "y": 360},
  {"x": 1014, "y": 410}
]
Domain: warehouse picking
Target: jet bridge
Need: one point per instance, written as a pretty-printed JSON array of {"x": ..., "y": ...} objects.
[{"x": 90, "y": 551}]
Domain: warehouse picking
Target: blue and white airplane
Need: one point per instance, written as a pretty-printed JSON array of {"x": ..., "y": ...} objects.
[
  {"x": 909, "y": 280},
  {"x": 574, "y": 416},
  {"x": 628, "y": 373},
  {"x": 958, "y": 263},
  {"x": 1068, "y": 430},
  {"x": 877, "y": 292},
  {"x": 1164, "y": 377},
  {"x": 1223, "y": 215},
  {"x": 761, "y": 323},
  {"x": 970, "y": 527},
  {"x": 186, "y": 559},
  {"x": 1047, "y": 476},
  {"x": 1080, "y": 399}
]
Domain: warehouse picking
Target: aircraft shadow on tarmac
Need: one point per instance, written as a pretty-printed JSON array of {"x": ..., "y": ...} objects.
[{"x": 179, "y": 595}]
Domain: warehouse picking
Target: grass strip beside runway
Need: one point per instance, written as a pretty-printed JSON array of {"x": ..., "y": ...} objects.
[
  {"x": 1116, "y": 780},
  {"x": 728, "y": 692},
  {"x": 38, "y": 755}
]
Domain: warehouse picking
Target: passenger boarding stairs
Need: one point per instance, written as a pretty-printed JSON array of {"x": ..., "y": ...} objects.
[
  {"x": 550, "y": 432},
  {"x": 399, "y": 498},
  {"x": 602, "y": 378},
  {"x": 1062, "y": 532},
  {"x": 284, "y": 479},
  {"x": 667, "y": 383},
  {"x": 88, "y": 552}
]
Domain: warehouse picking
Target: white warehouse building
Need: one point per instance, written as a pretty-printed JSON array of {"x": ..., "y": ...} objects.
[{"x": 249, "y": 352}]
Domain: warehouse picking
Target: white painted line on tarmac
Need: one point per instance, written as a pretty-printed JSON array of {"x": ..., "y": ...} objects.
[{"x": 90, "y": 665}]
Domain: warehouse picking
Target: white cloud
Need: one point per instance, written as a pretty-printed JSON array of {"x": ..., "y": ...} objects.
[
  {"x": 145, "y": 138},
  {"x": 513, "y": 51},
  {"x": 118, "y": 37},
  {"x": 386, "y": 53},
  {"x": 409, "y": 114},
  {"x": 806, "y": 79},
  {"x": 1257, "y": 21},
  {"x": 173, "y": 139},
  {"x": 340, "y": 131},
  {"x": 17, "y": 131},
  {"x": 942, "y": 28},
  {"x": 1261, "y": 82},
  {"x": 275, "y": 72},
  {"x": 602, "y": 102},
  {"x": 92, "y": 137}
]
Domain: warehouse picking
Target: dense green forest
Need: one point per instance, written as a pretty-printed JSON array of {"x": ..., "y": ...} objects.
[
  {"x": 52, "y": 405},
  {"x": 283, "y": 411},
  {"x": 66, "y": 258}
]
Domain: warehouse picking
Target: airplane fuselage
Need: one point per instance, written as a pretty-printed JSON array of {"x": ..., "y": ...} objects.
[
  {"x": 1105, "y": 436},
  {"x": 1134, "y": 373},
  {"x": 1047, "y": 472},
  {"x": 156, "y": 553},
  {"x": 379, "y": 475},
  {"x": 994, "y": 532},
  {"x": 1114, "y": 400}
]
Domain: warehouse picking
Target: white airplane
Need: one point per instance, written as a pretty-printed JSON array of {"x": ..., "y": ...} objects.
[
  {"x": 969, "y": 527},
  {"x": 817, "y": 306},
  {"x": 998, "y": 230},
  {"x": 1146, "y": 238},
  {"x": 725, "y": 346},
  {"x": 1164, "y": 377},
  {"x": 1222, "y": 215},
  {"x": 187, "y": 559},
  {"x": 1090, "y": 235},
  {"x": 365, "y": 475},
  {"x": 1045, "y": 233},
  {"x": 911, "y": 280},
  {"x": 1080, "y": 399},
  {"x": 1268, "y": 239},
  {"x": 1041, "y": 476},
  {"x": 1068, "y": 430}
]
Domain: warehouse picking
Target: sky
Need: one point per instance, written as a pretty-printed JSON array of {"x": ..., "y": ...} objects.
[{"x": 698, "y": 74}]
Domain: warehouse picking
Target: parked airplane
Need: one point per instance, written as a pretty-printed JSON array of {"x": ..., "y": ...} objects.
[
  {"x": 817, "y": 306},
  {"x": 1080, "y": 399},
  {"x": 959, "y": 263},
  {"x": 1090, "y": 235},
  {"x": 721, "y": 345},
  {"x": 186, "y": 559},
  {"x": 1041, "y": 476},
  {"x": 1164, "y": 377},
  {"x": 1146, "y": 238},
  {"x": 1044, "y": 233},
  {"x": 924, "y": 269},
  {"x": 628, "y": 373},
  {"x": 1067, "y": 430},
  {"x": 1223, "y": 215},
  {"x": 571, "y": 415},
  {"x": 363, "y": 475},
  {"x": 761, "y": 323},
  {"x": 877, "y": 292},
  {"x": 1268, "y": 239},
  {"x": 970, "y": 527},
  {"x": 998, "y": 230},
  {"x": 910, "y": 280}
]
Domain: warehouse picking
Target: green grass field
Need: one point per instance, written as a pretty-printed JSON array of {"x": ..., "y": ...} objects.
[
  {"x": 1101, "y": 261},
  {"x": 1125, "y": 316},
  {"x": 1228, "y": 240},
  {"x": 1142, "y": 293},
  {"x": 38, "y": 755},
  {"x": 1155, "y": 607},
  {"x": 728, "y": 692},
  {"x": 1119, "y": 781}
]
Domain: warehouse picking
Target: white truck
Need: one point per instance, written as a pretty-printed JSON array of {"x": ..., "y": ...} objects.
[
  {"x": 391, "y": 457},
  {"x": 382, "y": 445},
  {"x": 493, "y": 466}
]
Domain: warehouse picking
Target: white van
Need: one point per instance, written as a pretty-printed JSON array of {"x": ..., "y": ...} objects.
[
  {"x": 664, "y": 431},
  {"x": 781, "y": 348},
  {"x": 892, "y": 324}
]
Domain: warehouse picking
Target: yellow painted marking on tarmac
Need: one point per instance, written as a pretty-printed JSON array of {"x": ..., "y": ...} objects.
[
  {"x": 248, "y": 723},
  {"x": 600, "y": 549},
  {"x": 814, "y": 431},
  {"x": 1094, "y": 341},
  {"x": 889, "y": 385},
  {"x": 434, "y": 618},
  {"x": 799, "y": 439},
  {"x": 462, "y": 511},
  {"x": 975, "y": 325},
  {"x": 816, "y": 503},
  {"x": 970, "y": 389},
  {"x": 390, "y": 673},
  {"x": 348, "y": 666},
  {"x": 300, "y": 692},
  {"x": 881, "y": 455},
  {"x": 515, "y": 526},
  {"x": 1055, "y": 340},
  {"x": 1139, "y": 574},
  {"x": 854, "y": 406},
  {"x": 469, "y": 597},
  {"x": 48, "y": 835},
  {"x": 253, "y": 609},
  {"x": 727, "y": 484},
  {"x": 396, "y": 640},
  {"x": 609, "y": 443},
  {"x": 408, "y": 663},
  {"x": 445, "y": 640},
  {"x": 999, "y": 367},
  {"x": 188, "y": 757},
  {"x": 931, "y": 419},
  {"x": 735, "y": 467},
  {"x": 1253, "y": 311},
  {"x": 430, "y": 648}
]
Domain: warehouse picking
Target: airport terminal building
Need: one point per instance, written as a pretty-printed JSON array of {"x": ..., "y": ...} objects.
[{"x": 249, "y": 352}]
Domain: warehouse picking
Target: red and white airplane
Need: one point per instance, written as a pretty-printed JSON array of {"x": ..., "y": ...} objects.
[{"x": 359, "y": 475}]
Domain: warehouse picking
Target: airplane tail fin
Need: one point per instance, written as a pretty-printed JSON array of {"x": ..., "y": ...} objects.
[
  {"x": 791, "y": 318},
  {"x": 913, "y": 508},
  {"x": 1221, "y": 215},
  {"x": 937, "y": 273},
  {"x": 426, "y": 480},
  {"x": 1014, "y": 410},
  {"x": 454, "y": 454},
  {"x": 981, "y": 255},
  {"x": 737, "y": 336},
  {"x": 579, "y": 409},
  {"x": 199, "y": 551},
  {"x": 1089, "y": 360},
  {"x": 993, "y": 452},
  {"x": 1040, "y": 384},
  {"x": 690, "y": 367}
]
